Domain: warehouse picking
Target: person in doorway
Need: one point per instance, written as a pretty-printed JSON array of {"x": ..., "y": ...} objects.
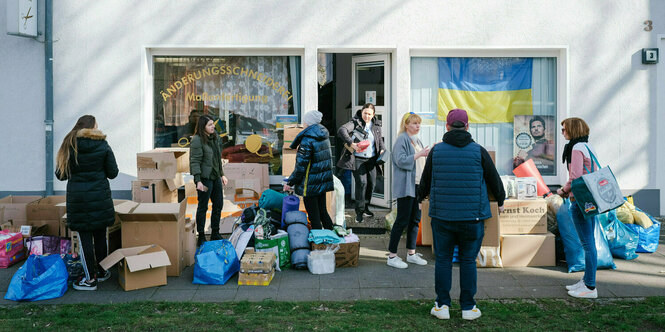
[
  {"x": 313, "y": 175},
  {"x": 205, "y": 164},
  {"x": 363, "y": 146},
  {"x": 86, "y": 160},
  {"x": 542, "y": 150},
  {"x": 458, "y": 173},
  {"x": 577, "y": 157},
  {"x": 408, "y": 163}
]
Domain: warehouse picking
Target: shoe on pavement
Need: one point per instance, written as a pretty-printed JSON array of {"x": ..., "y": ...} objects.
[
  {"x": 367, "y": 213},
  {"x": 442, "y": 312},
  {"x": 86, "y": 285},
  {"x": 105, "y": 276},
  {"x": 583, "y": 292},
  {"x": 397, "y": 262},
  {"x": 359, "y": 218},
  {"x": 215, "y": 236},
  {"x": 576, "y": 285},
  {"x": 471, "y": 314},
  {"x": 416, "y": 259},
  {"x": 201, "y": 240}
]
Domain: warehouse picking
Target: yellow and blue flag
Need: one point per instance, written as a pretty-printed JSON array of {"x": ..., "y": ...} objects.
[{"x": 491, "y": 90}]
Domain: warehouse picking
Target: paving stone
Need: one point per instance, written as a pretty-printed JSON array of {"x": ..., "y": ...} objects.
[
  {"x": 293, "y": 294},
  {"x": 339, "y": 294},
  {"x": 415, "y": 293},
  {"x": 173, "y": 295},
  {"x": 214, "y": 295},
  {"x": 255, "y": 294},
  {"x": 382, "y": 294}
]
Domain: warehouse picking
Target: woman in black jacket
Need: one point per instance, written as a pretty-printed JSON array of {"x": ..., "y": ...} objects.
[
  {"x": 362, "y": 161},
  {"x": 313, "y": 176},
  {"x": 205, "y": 164},
  {"x": 87, "y": 161}
]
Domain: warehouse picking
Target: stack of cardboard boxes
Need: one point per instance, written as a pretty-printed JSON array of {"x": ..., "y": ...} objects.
[
  {"x": 13, "y": 214},
  {"x": 160, "y": 175},
  {"x": 524, "y": 237},
  {"x": 256, "y": 268}
]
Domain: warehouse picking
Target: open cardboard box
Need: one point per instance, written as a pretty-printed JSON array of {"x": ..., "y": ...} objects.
[
  {"x": 162, "y": 224},
  {"x": 162, "y": 163},
  {"x": 157, "y": 191},
  {"x": 139, "y": 267},
  {"x": 14, "y": 208}
]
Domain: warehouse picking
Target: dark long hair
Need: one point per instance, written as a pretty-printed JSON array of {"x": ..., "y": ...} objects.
[
  {"x": 69, "y": 144},
  {"x": 201, "y": 128}
]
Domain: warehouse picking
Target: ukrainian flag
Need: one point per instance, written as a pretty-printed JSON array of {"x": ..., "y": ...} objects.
[{"x": 491, "y": 90}]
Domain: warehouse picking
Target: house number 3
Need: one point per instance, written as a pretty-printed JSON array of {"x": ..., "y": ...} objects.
[{"x": 648, "y": 25}]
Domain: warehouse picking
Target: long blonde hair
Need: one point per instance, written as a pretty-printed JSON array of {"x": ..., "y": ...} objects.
[
  {"x": 408, "y": 118},
  {"x": 69, "y": 144}
]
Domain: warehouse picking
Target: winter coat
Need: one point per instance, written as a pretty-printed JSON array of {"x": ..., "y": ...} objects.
[
  {"x": 345, "y": 132},
  {"x": 89, "y": 202},
  {"x": 313, "y": 174},
  {"x": 205, "y": 160}
]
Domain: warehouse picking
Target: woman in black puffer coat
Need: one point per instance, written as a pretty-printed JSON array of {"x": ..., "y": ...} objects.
[
  {"x": 87, "y": 161},
  {"x": 313, "y": 175}
]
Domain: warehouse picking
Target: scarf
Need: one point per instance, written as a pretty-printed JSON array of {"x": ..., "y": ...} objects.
[{"x": 568, "y": 149}]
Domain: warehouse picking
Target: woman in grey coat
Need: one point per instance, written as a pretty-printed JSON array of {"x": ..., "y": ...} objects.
[{"x": 408, "y": 159}]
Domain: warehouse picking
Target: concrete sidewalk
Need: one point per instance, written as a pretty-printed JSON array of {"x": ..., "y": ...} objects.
[{"x": 373, "y": 279}]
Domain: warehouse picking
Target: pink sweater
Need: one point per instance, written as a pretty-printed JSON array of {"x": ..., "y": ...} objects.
[{"x": 580, "y": 158}]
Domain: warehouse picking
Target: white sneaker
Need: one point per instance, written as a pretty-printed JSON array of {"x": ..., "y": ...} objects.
[
  {"x": 584, "y": 293},
  {"x": 576, "y": 285},
  {"x": 471, "y": 314},
  {"x": 416, "y": 259},
  {"x": 442, "y": 312},
  {"x": 397, "y": 262}
]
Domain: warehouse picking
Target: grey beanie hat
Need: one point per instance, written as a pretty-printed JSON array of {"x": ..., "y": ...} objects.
[{"x": 312, "y": 117}]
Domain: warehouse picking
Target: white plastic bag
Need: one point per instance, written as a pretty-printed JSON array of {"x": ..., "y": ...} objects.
[
  {"x": 339, "y": 202},
  {"x": 322, "y": 261}
]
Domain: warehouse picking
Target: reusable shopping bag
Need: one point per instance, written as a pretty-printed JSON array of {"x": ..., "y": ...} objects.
[
  {"x": 597, "y": 191},
  {"x": 278, "y": 244},
  {"x": 648, "y": 237},
  {"x": 40, "y": 278},
  {"x": 216, "y": 263},
  {"x": 621, "y": 239}
]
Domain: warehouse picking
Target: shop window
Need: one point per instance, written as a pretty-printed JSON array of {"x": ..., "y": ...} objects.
[
  {"x": 250, "y": 99},
  {"x": 511, "y": 104}
]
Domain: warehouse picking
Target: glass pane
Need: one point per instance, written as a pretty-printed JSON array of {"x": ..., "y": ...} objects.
[
  {"x": 370, "y": 83},
  {"x": 244, "y": 95}
]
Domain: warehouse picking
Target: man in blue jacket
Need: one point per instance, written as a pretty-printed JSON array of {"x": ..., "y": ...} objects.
[{"x": 457, "y": 174}]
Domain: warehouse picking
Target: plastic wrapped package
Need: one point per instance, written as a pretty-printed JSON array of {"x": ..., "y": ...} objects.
[{"x": 322, "y": 261}]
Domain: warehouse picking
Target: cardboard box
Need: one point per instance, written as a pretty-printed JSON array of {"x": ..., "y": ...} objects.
[
  {"x": 230, "y": 212},
  {"x": 47, "y": 208},
  {"x": 528, "y": 250},
  {"x": 255, "y": 279},
  {"x": 288, "y": 161},
  {"x": 162, "y": 163},
  {"x": 258, "y": 262},
  {"x": 157, "y": 191},
  {"x": 425, "y": 225},
  {"x": 246, "y": 180},
  {"x": 14, "y": 208},
  {"x": 189, "y": 238},
  {"x": 113, "y": 239},
  {"x": 347, "y": 255},
  {"x": 489, "y": 257},
  {"x": 492, "y": 236},
  {"x": 162, "y": 224},
  {"x": 139, "y": 267},
  {"x": 290, "y": 133},
  {"x": 524, "y": 217}
]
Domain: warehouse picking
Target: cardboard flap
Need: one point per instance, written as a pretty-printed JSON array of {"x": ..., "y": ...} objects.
[
  {"x": 175, "y": 183},
  {"x": 146, "y": 261},
  {"x": 156, "y": 212},
  {"x": 125, "y": 207},
  {"x": 19, "y": 199},
  {"x": 119, "y": 254}
]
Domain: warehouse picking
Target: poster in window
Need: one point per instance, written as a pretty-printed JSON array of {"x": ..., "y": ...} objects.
[{"x": 534, "y": 139}]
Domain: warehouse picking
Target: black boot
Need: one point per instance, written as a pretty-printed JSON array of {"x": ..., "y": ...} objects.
[
  {"x": 201, "y": 240},
  {"x": 214, "y": 236}
]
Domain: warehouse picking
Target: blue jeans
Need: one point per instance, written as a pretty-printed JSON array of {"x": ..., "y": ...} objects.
[
  {"x": 585, "y": 230},
  {"x": 468, "y": 235}
]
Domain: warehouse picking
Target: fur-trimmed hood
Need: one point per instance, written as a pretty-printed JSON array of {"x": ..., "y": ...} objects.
[{"x": 94, "y": 134}]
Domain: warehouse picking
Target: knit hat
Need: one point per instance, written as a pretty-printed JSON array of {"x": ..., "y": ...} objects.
[
  {"x": 457, "y": 118},
  {"x": 312, "y": 117}
]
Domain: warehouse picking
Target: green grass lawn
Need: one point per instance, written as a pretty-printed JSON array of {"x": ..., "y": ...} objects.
[{"x": 543, "y": 314}]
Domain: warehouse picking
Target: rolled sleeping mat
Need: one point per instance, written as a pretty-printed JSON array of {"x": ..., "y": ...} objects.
[
  {"x": 289, "y": 203},
  {"x": 299, "y": 244},
  {"x": 271, "y": 200},
  {"x": 295, "y": 217}
]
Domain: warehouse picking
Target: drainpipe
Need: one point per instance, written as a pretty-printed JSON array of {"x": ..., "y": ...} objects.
[{"x": 48, "y": 78}]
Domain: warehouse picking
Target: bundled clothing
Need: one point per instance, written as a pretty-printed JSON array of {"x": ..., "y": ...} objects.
[{"x": 89, "y": 203}]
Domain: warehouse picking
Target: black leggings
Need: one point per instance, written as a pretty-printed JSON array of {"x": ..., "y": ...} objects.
[
  {"x": 317, "y": 212},
  {"x": 93, "y": 250},
  {"x": 214, "y": 193}
]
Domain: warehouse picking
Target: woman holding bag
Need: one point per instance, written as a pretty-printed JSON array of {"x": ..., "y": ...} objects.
[{"x": 577, "y": 158}]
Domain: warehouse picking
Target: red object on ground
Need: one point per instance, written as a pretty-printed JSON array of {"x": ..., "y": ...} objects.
[{"x": 529, "y": 169}]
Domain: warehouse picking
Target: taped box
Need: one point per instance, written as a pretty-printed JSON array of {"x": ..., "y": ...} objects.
[
  {"x": 255, "y": 279},
  {"x": 528, "y": 250},
  {"x": 524, "y": 217},
  {"x": 157, "y": 191},
  {"x": 257, "y": 262},
  {"x": 162, "y": 163},
  {"x": 14, "y": 208},
  {"x": 139, "y": 267}
]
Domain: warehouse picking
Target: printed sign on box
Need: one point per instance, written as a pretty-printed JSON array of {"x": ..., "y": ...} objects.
[{"x": 524, "y": 217}]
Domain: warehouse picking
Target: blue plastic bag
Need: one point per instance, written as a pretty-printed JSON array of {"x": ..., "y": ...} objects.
[
  {"x": 622, "y": 240},
  {"x": 40, "y": 278},
  {"x": 216, "y": 263},
  {"x": 572, "y": 245},
  {"x": 648, "y": 238}
]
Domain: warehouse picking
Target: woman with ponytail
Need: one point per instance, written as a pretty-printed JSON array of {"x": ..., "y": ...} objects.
[{"x": 86, "y": 160}]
